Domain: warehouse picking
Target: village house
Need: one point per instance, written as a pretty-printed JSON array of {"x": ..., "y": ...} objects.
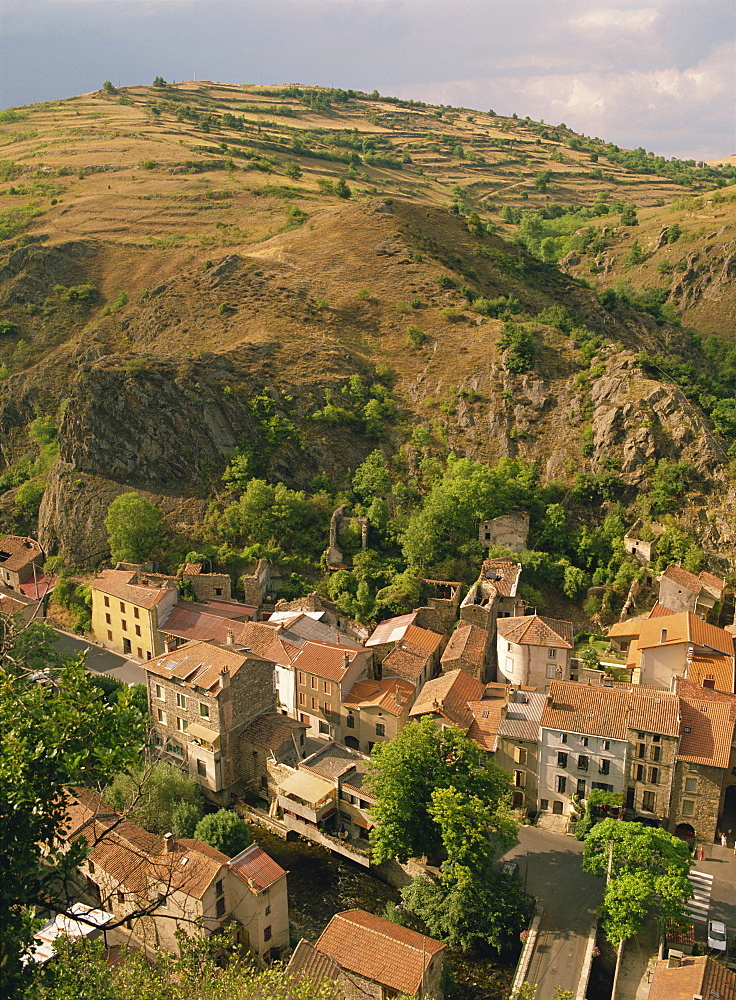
[
  {"x": 705, "y": 783},
  {"x": 682, "y": 645},
  {"x": 509, "y": 531},
  {"x": 270, "y": 749},
  {"x": 470, "y": 649},
  {"x": 378, "y": 958},
  {"x": 269, "y": 641},
  {"x": 206, "y": 586},
  {"x": 374, "y": 711},
  {"x": 189, "y": 621},
  {"x": 324, "y": 675},
  {"x": 533, "y": 650},
  {"x": 326, "y": 800},
  {"x": 517, "y": 743},
  {"x": 445, "y": 699},
  {"x": 686, "y": 977},
  {"x": 416, "y": 657},
  {"x": 683, "y": 591},
  {"x": 201, "y": 697},
  {"x": 640, "y": 540},
  {"x": 158, "y": 885},
  {"x": 394, "y": 632},
  {"x": 326, "y": 612},
  {"x": 493, "y": 595},
  {"x": 21, "y": 561}
]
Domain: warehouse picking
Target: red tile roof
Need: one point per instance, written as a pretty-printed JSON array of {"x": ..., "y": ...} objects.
[
  {"x": 684, "y": 627},
  {"x": 659, "y": 611},
  {"x": 610, "y": 712},
  {"x": 200, "y": 664},
  {"x": 188, "y": 620},
  {"x": 683, "y": 579},
  {"x": 423, "y": 638},
  {"x": 407, "y": 661},
  {"x": 718, "y": 670},
  {"x": 378, "y": 950},
  {"x": 325, "y": 660},
  {"x": 709, "y": 581},
  {"x": 255, "y": 868},
  {"x": 468, "y": 642},
  {"x": 536, "y": 630},
  {"x": 707, "y": 727},
  {"x": 19, "y": 552},
  {"x": 503, "y": 574},
  {"x": 382, "y": 694},
  {"x": 129, "y": 585},
  {"x": 271, "y": 730},
  {"x": 697, "y": 976},
  {"x": 308, "y": 964},
  {"x": 448, "y": 696},
  {"x": 391, "y": 630},
  {"x": 483, "y": 729}
]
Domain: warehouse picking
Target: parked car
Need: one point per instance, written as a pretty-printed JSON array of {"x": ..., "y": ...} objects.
[{"x": 717, "y": 935}]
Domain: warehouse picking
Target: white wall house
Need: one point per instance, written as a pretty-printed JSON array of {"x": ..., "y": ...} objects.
[
  {"x": 533, "y": 651},
  {"x": 575, "y": 763}
]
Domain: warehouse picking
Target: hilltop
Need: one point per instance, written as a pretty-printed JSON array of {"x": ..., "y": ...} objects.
[{"x": 172, "y": 255}]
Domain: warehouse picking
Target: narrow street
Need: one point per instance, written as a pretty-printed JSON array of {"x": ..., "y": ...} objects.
[{"x": 102, "y": 661}]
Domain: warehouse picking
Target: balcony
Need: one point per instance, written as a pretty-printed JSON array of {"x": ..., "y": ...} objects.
[{"x": 308, "y": 796}]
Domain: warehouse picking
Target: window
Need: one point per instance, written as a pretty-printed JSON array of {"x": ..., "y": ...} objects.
[
  {"x": 219, "y": 887},
  {"x": 220, "y": 907},
  {"x": 305, "y": 719},
  {"x": 267, "y": 933},
  {"x": 326, "y": 708},
  {"x": 218, "y": 591},
  {"x": 181, "y": 724},
  {"x": 108, "y": 620},
  {"x": 688, "y": 807},
  {"x": 137, "y": 630},
  {"x": 641, "y": 750},
  {"x": 519, "y": 779},
  {"x": 201, "y": 769},
  {"x": 324, "y": 727},
  {"x": 315, "y": 683},
  {"x": 159, "y": 692},
  {"x": 139, "y": 651},
  {"x": 551, "y": 654},
  {"x": 204, "y": 710},
  {"x": 364, "y": 804},
  {"x": 508, "y": 648},
  {"x": 121, "y": 898},
  {"x": 520, "y": 755},
  {"x": 691, "y": 785},
  {"x": 648, "y": 802},
  {"x": 641, "y": 735},
  {"x": 584, "y": 741},
  {"x": 175, "y": 748},
  {"x": 181, "y": 701},
  {"x": 551, "y": 671},
  {"x": 563, "y": 737},
  {"x": 91, "y": 866},
  {"x": 655, "y": 753},
  {"x": 663, "y": 636},
  {"x": 603, "y": 786},
  {"x": 136, "y": 613},
  {"x": 315, "y": 705},
  {"x": 653, "y": 775},
  {"x": 639, "y": 772},
  {"x": 606, "y": 744},
  {"x": 582, "y": 763},
  {"x": 109, "y": 636},
  {"x": 380, "y": 729},
  {"x": 123, "y": 625},
  {"x": 327, "y": 687},
  {"x": 561, "y": 783},
  {"x": 301, "y": 677},
  {"x": 581, "y": 787},
  {"x": 561, "y": 759},
  {"x": 302, "y": 699},
  {"x": 604, "y": 767},
  {"x": 122, "y": 606},
  {"x": 107, "y": 602},
  {"x": 161, "y": 716},
  {"x": 656, "y": 738},
  {"x": 509, "y": 664},
  {"x": 544, "y": 804},
  {"x": 350, "y": 722}
]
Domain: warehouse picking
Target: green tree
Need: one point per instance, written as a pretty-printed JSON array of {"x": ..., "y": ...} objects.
[
  {"x": 135, "y": 528},
  {"x": 411, "y": 820},
  {"x": 342, "y": 190},
  {"x": 371, "y": 478},
  {"x": 225, "y": 831},
  {"x": 649, "y": 869},
  {"x": 108, "y": 87},
  {"x": 58, "y": 730},
  {"x": 519, "y": 348},
  {"x": 159, "y": 797},
  {"x": 293, "y": 170},
  {"x": 629, "y": 216},
  {"x": 159, "y": 82}
]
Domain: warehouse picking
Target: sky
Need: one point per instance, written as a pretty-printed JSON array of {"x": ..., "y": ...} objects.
[{"x": 658, "y": 74}]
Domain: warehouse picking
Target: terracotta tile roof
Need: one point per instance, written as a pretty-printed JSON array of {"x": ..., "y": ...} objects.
[
  {"x": 707, "y": 727},
  {"x": 255, "y": 868},
  {"x": 719, "y": 670},
  {"x": 406, "y": 661},
  {"x": 382, "y": 694},
  {"x": 684, "y": 627},
  {"x": 697, "y": 976},
  {"x": 11, "y": 602},
  {"x": 191, "y": 569},
  {"x": 609, "y": 712},
  {"x": 392, "y": 630},
  {"x": 267, "y": 641},
  {"x": 683, "y": 579},
  {"x": 623, "y": 630},
  {"x": 188, "y": 620},
  {"x": 308, "y": 964},
  {"x": 468, "y": 642},
  {"x": 520, "y": 720},
  {"x": 325, "y": 659},
  {"x": 711, "y": 582},
  {"x": 503, "y": 574},
  {"x": 306, "y": 626},
  {"x": 660, "y": 611},
  {"x": 336, "y": 761},
  {"x": 448, "y": 696},
  {"x": 18, "y": 551},
  {"x": 271, "y": 730},
  {"x": 127, "y": 585},
  {"x": 687, "y": 689},
  {"x": 39, "y": 586},
  {"x": 536, "y": 630},
  {"x": 486, "y": 720},
  {"x": 378, "y": 950},
  {"x": 200, "y": 664},
  {"x": 423, "y": 638}
]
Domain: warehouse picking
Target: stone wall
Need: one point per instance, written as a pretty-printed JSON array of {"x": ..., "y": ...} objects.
[
  {"x": 706, "y": 798},
  {"x": 211, "y": 586}
]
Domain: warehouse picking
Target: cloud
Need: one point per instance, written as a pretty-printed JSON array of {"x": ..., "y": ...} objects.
[{"x": 615, "y": 19}]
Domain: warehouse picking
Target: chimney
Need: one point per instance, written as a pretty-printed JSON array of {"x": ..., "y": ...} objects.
[
  {"x": 345, "y": 661},
  {"x": 170, "y": 843},
  {"x": 674, "y": 960},
  {"x": 230, "y": 638},
  {"x": 397, "y": 696},
  {"x": 225, "y": 678}
]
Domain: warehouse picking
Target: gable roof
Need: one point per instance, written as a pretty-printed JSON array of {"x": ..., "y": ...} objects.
[
  {"x": 448, "y": 695},
  {"x": 189, "y": 620},
  {"x": 627, "y": 629},
  {"x": 486, "y": 720},
  {"x": 407, "y": 661},
  {"x": 326, "y": 660},
  {"x": 659, "y": 611},
  {"x": 682, "y": 578},
  {"x": 697, "y": 976},
  {"x": 521, "y": 718},
  {"x": 536, "y": 630},
  {"x": 268, "y": 641},
  {"x": 378, "y": 949},
  {"x": 201, "y": 664},
  {"x": 306, "y": 963},
  {"x": 610, "y": 712},
  {"x": 467, "y": 642},
  {"x": 717, "y": 669},
  {"x": 503, "y": 574},
  {"x": 391, "y": 694},
  {"x": 255, "y": 868},
  {"x": 707, "y": 725},
  {"x": 18, "y": 551},
  {"x": 271, "y": 730},
  {"x": 684, "y": 627},
  {"x": 133, "y": 587},
  {"x": 391, "y": 630}
]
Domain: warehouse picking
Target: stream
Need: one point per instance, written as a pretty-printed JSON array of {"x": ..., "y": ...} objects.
[{"x": 322, "y": 884}]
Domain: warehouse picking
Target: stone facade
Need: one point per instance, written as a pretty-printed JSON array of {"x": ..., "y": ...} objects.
[
  {"x": 509, "y": 530},
  {"x": 696, "y": 797},
  {"x": 650, "y": 774}
]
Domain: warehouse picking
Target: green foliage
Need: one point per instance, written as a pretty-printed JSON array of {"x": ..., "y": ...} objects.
[
  {"x": 82, "y": 296},
  {"x": 365, "y": 407},
  {"x": 371, "y": 478},
  {"x": 8, "y": 329},
  {"x": 668, "y": 484},
  {"x": 636, "y": 254},
  {"x": 118, "y": 302},
  {"x": 415, "y": 335},
  {"x": 519, "y": 348},
  {"x": 225, "y": 831},
  {"x": 152, "y": 794},
  {"x": 293, "y": 170},
  {"x": 54, "y": 735},
  {"x": 502, "y": 307},
  {"x": 108, "y": 87},
  {"x": 649, "y": 872},
  {"x": 435, "y": 790},
  {"x": 598, "y": 806},
  {"x": 135, "y": 528},
  {"x": 629, "y": 217},
  {"x": 159, "y": 82},
  {"x": 589, "y": 659}
]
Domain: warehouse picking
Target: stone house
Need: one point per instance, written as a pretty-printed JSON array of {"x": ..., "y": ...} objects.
[
  {"x": 21, "y": 559},
  {"x": 704, "y": 784},
  {"x": 682, "y": 591},
  {"x": 493, "y": 595},
  {"x": 201, "y": 697},
  {"x": 379, "y": 959},
  {"x": 445, "y": 699},
  {"x": 324, "y": 675},
  {"x": 509, "y": 530},
  {"x": 374, "y": 711},
  {"x": 470, "y": 649},
  {"x": 445, "y": 600},
  {"x": 178, "y": 884},
  {"x": 270, "y": 749},
  {"x": 269, "y": 641},
  {"x": 642, "y": 549},
  {"x": 517, "y": 750},
  {"x": 206, "y": 586},
  {"x": 533, "y": 650},
  {"x": 395, "y": 632},
  {"x": 189, "y": 621},
  {"x": 416, "y": 657},
  {"x": 681, "y": 977}
]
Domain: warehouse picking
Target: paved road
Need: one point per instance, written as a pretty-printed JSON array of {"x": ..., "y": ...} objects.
[
  {"x": 570, "y": 899},
  {"x": 102, "y": 661},
  {"x": 720, "y": 862}
]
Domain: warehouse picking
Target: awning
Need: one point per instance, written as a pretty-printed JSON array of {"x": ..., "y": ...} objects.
[
  {"x": 203, "y": 735},
  {"x": 308, "y": 787},
  {"x": 359, "y": 821}
]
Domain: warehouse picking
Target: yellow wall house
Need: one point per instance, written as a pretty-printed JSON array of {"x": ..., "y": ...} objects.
[{"x": 127, "y": 608}]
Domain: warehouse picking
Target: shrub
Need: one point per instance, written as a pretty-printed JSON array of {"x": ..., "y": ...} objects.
[
  {"x": 519, "y": 348},
  {"x": 415, "y": 335},
  {"x": 225, "y": 831}
]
